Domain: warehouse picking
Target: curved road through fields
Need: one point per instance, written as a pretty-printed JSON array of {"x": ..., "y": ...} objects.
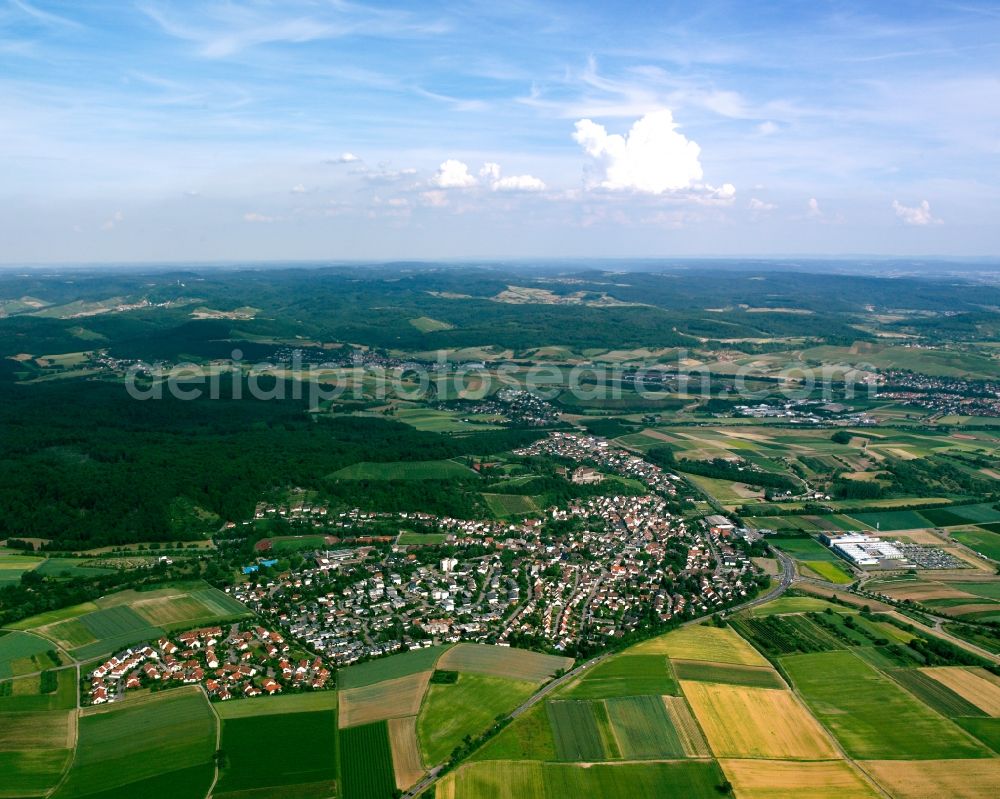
[{"x": 785, "y": 580}]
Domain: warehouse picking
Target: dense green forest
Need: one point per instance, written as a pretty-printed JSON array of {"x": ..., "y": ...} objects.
[{"x": 83, "y": 463}]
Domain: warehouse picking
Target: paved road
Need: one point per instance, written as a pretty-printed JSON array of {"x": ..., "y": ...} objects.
[{"x": 785, "y": 581}]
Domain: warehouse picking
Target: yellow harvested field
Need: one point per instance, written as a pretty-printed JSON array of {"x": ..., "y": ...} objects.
[
  {"x": 973, "y": 685},
  {"x": 389, "y": 699},
  {"x": 776, "y": 779},
  {"x": 742, "y": 722},
  {"x": 719, "y": 645},
  {"x": 405, "y": 751},
  {"x": 936, "y": 779},
  {"x": 692, "y": 740}
]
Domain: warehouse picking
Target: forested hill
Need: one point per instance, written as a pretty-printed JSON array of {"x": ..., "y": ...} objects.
[{"x": 85, "y": 464}]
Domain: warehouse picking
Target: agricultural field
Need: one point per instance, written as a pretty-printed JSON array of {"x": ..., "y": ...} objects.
[
  {"x": 983, "y": 541},
  {"x": 406, "y": 764},
  {"x": 624, "y": 675},
  {"x": 507, "y": 505},
  {"x": 804, "y": 549},
  {"x": 300, "y": 755},
  {"x": 404, "y": 470},
  {"x": 48, "y": 690},
  {"x": 643, "y": 728},
  {"x": 276, "y": 705},
  {"x": 976, "y": 687},
  {"x": 500, "y": 661},
  {"x": 366, "y": 762},
  {"x": 71, "y": 567},
  {"x": 700, "y": 642},
  {"x": 773, "y": 779},
  {"x": 389, "y": 668},
  {"x": 36, "y": 746},
  {"x": 439, "y": 421},
  {"x": 159, "y": 745},
  {"x": 468, "y": 707},
  {"x": 13, "y": 566},
  {"x": 128, "y": 617},
  {"x": 772, "y": 724},
  {"x": 582, "y": 731},
  {"x": 827, "y": 570},
  {"x": 751, "y": 676},
  {"x": 393, "y": 698},
  {"x": 528, "y": 737},
  {"x": 935, "y": 694},
  {"x": 23, "y": 653},
  {"x": 785, "y": 634},
  {"x": 518, "y": 780},
  {"x": 927, "y": 779},
  {"x": 875, "y": 718},
  {"x": 794, "y": 604}
]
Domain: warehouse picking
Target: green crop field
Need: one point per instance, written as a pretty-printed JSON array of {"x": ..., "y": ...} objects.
[
  {"x": 279, "y": 704},
  {"x": 404, "y": 470},
  {"x": 804, "y": 549},
  {"x": 13, "y": 566},
  {"x": 933, "y": 694},
  {"x": 576, "y": 730},
  {"x": 643, "y": 728},
  {"x": 528, "y": 737},
  {"x": 23, "y": 653},
  {"x": 988, "y": 590},
  {"x": 24, "y": 693},
  {"x": 366, "y": 762},
  {"x": 511, "y": 504},
  {"x": 287, "y": 750},
  {"x": 795, "y": 604},
  {"x": 503, "y": 661},
  {"x": 468, "y": 707},
  {"x": 985, "y": 542},
  {"x": 830, "y": 571},
  {"x": 72, "y": 567},
  {"x": 872, "y": 717},
  {"x": 625, "y": 675},
  {"x": 31, "y": 772},
  {"x": 986, "y": 730},
  {"x": 53, "y": 616},
  {"x": 893, "y": 519},
  {"x": 389, "y": 668},
  {"x": 144, "y": 739},
  {"x": 753, "y": 676},
  {"x": 518, "y": 780}
]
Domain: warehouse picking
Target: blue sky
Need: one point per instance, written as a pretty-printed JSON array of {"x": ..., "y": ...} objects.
[{"x": 161, "y": 130}]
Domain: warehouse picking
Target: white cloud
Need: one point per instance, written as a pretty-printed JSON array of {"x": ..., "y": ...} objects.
[
  {"x": 919, "y": 215},
  {"x": 490, "y": 171},
  {"x": 113, "y": 220},
  {"x": 453, "y": 174},
  {"x": 518, "y": 183},
  {"x": 767, "y": 128},
  {"x": 346, "y": 158},
  {"x": 299, "y": 189},
  {"x": 435, "y": 199},
  {"x": 652, "y": 158},
  {"x": 759, "y": 206},
  {"x": 253, "y": 216},
  {"x": 813, "y": 208}
]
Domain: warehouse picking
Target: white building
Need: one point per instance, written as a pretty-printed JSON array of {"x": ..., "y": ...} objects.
[{"x": 865, "y": 550}]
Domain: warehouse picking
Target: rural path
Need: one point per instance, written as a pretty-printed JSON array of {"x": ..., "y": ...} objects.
[
  {"x": 218, "y": 741},
  {"x": 784, "y": 583}
]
